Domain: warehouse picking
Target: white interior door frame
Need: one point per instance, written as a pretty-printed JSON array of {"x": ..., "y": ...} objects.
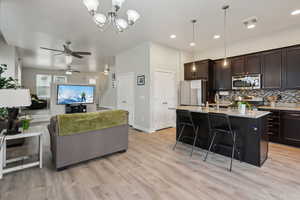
[{"x": 132, "y": 77}]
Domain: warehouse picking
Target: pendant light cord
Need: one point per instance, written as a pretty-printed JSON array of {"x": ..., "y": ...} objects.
[
  {"x": 225, "y": 32},
  {"x": 194, "y": 21},
  {"x": 194, "y": 42},
  {"x": 194, "y": 31}
]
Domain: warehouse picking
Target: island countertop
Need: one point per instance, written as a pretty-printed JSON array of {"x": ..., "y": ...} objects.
[{"x": 229, "y": 111}]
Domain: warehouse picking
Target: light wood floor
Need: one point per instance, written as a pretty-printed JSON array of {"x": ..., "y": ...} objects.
[{"x": 151, "y": 170}]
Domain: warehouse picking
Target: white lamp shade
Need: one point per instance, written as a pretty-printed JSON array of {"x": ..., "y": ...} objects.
[
  {"x": 133, "y": 16},
  {"x": 100, "y": 19},
  {"x": 117, "y": 3},
  {"x": 91, "y": 5},
  {"x": 122, "y": 24},
  {"x": 10, "y": 98}
]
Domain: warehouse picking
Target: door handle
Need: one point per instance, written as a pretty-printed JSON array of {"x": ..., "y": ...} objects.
[
  {"x": 124, "y": 101},
  {"x": 165, "y": 103}
]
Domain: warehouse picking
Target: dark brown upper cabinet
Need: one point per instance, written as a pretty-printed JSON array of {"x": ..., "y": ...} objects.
[
  {"x": 249, "y": 64},
  {"x": 222, "y": 76},
  {"x": 237, "y": 65},
  {"x": 292, "y": 67},
  {"x": 188, "y": 71},
  {"x": 252, "y": 64},
  {"x": 201, "y": 70},
  {"x": 271, "y": 69}
]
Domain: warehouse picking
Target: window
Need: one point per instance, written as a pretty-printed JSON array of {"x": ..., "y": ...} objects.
[
  {"x": 60, "y": 79},
  {"x": 43, "y": 86}
]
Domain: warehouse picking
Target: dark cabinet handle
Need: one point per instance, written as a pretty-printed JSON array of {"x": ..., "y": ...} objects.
[{"x": 292, "y": 115}]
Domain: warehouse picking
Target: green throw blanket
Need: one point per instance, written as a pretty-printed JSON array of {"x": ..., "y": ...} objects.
[{"x": 70, "y": 124}]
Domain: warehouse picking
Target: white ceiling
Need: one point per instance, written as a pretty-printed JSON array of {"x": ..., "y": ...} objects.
[{"x": 29, "y": 24}]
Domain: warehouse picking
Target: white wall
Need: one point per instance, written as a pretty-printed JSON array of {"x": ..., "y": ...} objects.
[
  {"x": 267, "y": 42},
  {"x": 8, "y": 57},
  {"x": 136, "y": 60},
  {"x": 144, "y": 60},
  {"x": 29, "y": 81},
  {"x": 166, "y": 59},
  {"x": 108, "y": 97}
]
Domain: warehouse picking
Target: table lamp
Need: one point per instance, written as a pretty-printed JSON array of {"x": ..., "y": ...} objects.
[{"x": 13, "y": 99}]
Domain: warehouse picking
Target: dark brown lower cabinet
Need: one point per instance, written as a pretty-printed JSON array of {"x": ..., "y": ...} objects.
[
  {"x": 290, "y": 128},
  {"x": 284, "y": 127}
]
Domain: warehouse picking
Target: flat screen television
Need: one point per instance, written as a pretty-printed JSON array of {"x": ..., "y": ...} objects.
[{"x": 75, "y": 94}]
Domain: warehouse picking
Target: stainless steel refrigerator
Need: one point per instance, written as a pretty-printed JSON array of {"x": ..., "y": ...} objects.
[{"x": 193, "y": 93}]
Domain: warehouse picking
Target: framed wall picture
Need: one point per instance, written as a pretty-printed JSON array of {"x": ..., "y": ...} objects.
[
  {"x": 141, "y": 80},
  {"x": 60, "y": 79}
]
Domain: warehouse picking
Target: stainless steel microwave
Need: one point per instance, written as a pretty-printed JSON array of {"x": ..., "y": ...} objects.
[{"x": 246, "y": 82}]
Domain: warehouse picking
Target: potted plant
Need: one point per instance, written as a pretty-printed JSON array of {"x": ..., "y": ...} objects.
[{"x": 7, "y": 83}]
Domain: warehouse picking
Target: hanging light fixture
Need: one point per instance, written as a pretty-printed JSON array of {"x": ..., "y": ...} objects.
[
  {"x": 225, "y": 8},
  {"x": 106, "y": 70},
  {"x": 91, "y": 5},
  {"x": 69, "y": 59},
  {"x": 112, "y": 17},
  {"x": 193, "y": 44}
]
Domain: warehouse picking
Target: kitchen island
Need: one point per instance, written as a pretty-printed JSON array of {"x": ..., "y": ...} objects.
[{"x": 251, "y": 128}]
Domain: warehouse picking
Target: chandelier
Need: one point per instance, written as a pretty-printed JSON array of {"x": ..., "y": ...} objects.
[{"x": 112, "y": 17}]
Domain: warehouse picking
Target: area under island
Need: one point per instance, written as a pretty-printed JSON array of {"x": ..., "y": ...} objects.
[{"x": 251, "y": 128}]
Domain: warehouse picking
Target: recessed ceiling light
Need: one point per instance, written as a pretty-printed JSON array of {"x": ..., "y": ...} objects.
[
  {"x": 217, "y": 36},
  {"x": 173, "y": 36},
  {"x": 192, "y": 44},
  {"x": 295, "y": 12}
]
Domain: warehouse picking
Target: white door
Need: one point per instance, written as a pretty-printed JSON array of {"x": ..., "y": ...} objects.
[
  {"x": 125, "y": 95},
  {"x": 164, "y": 100}
]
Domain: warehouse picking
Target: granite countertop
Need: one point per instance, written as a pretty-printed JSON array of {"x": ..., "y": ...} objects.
[
  {"x": 287, "y": 108},
  {"x": 228, "y": 111}
]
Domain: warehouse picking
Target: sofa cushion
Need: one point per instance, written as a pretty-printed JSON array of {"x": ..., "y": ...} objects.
[{"x": 70, "y": 124}]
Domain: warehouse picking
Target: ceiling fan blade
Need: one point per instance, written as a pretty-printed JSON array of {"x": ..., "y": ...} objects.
[
  {"x": 67, "y": 49},
  {"x": 82, "y": 52},
  {"x": 51, "y": 49},
  {"x": 58, "y": 54},
  {"x": 76, "y": 55}
]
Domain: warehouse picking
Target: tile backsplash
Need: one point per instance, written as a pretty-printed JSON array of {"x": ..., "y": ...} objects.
[{"x": 287, "y": 96}]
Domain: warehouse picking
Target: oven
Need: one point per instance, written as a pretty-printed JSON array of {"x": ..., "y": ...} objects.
[{"x": 246, "y": 82}]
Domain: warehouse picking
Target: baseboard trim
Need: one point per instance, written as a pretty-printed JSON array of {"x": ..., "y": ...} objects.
[{"x": 142, "y": 129}]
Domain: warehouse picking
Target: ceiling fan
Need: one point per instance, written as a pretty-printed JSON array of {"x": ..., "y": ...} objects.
[
  {"x": 68, "y": 52},
  {"x": 70, "y": 71}
]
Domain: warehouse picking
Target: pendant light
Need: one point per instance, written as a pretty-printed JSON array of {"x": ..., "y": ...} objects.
[
  {"x": 225, "y": 8},
  {"x": 193, "y": 44}
]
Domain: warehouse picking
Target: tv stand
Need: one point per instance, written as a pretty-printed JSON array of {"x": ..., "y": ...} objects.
[{"x": 75, "y": 108}]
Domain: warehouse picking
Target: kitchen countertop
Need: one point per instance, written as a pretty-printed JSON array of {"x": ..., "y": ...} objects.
[
  {"x": 220, "y": 104},
  {"x": 286, "y": 108},
  {"x": 228, "y": 111}
]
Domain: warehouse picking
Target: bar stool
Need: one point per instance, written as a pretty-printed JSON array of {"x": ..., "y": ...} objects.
[
  {"x": 220, "y": 124},
  {"x": 185, "y": 119}
]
